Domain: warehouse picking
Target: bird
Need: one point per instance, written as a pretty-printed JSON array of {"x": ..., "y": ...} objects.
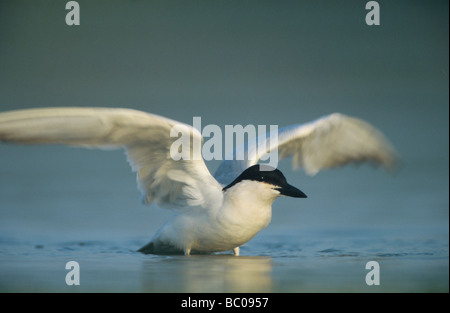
[{"x": 213, "y": 213}]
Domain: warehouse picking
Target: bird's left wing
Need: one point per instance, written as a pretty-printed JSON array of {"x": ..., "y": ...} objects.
[
  {"x": 146, "y": 138},
  {"x": 331, "y": 141}
]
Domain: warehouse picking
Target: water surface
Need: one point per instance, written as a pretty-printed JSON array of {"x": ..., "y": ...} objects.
[{"x": 229, "y": 62}]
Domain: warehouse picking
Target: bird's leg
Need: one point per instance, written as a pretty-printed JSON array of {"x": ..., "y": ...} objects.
[{"x": 236, "y": 251}]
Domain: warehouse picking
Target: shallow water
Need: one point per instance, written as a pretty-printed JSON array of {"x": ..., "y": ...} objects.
[
  {"x": 352, "y": 216},
  {"x": 308, "y": 261},
  {"x": 229, "y": 62}
]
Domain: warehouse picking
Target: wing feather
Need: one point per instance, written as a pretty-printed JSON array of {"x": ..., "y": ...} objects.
[
  {"x": 145, "y": 137},
  {"x": 331, "y": 141}
]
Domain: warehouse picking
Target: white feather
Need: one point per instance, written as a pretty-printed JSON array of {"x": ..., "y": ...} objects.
[
  {"x": 209, "y": 220},
  {"x": 145, "y": 137},
  {"x": 330, "y": 141}
]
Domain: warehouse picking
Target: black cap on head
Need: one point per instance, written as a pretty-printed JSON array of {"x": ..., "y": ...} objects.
[{"x": 270, "y": 175}]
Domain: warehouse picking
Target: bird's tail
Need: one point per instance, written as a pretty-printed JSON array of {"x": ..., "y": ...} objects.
[{"x": 161, "y": 249}]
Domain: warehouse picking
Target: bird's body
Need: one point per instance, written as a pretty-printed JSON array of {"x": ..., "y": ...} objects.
[
  {"x": 213, "y": 213},
  {"x": 242, "y": 213}
]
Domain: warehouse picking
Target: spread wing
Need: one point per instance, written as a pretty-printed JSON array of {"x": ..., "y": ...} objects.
[
  {"x": 331, "y": 141},
  {"x": 145, "y": 137}
]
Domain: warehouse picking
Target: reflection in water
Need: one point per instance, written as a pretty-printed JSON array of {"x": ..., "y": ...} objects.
[{"x": 211, "y": 273}]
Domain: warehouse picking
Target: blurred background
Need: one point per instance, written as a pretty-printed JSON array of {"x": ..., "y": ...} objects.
[{"x": 229, "y": 62}]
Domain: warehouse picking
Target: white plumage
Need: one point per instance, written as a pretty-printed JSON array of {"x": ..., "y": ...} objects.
[
  {"x": 331, "y": 141},
  {"x": 209, "y": 219}
]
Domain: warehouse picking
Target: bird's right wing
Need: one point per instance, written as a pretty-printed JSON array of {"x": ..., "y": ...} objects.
[
  {"x": 146, "y": 138},
  {"x": 331, "y": 141}
]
